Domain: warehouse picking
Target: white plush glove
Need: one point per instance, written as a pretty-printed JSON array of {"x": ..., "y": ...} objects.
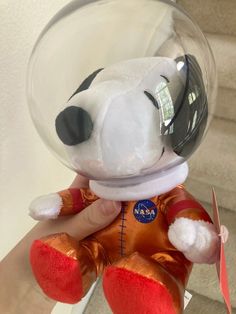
[
  {"x": 197, "y": 240},
  {"x": 46, "y": 207}
]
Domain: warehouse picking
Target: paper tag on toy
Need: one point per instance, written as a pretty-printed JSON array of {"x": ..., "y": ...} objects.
[
  {"x": 221, "y": 264},
  {"x": 187, "y": 298}
]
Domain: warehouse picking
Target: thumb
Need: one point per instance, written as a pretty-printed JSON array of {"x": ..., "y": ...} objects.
[{"x": 93, "y": 218}]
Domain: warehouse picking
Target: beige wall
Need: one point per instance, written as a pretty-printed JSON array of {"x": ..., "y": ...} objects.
[{"x": 27, "y": 169}]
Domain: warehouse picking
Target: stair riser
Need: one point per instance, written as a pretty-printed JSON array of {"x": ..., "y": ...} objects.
[
  {"x": 202, "y": 191},
  {"x": 224, "y": 50},
  {"x": 226, "y": 104},
  {"x": 214, "y": 164}
]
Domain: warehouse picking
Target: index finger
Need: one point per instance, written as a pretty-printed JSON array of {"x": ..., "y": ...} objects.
[{"x": 80, "y": 182}]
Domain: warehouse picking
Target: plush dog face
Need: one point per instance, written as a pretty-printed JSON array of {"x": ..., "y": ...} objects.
[{"x": 112, "y": 127}]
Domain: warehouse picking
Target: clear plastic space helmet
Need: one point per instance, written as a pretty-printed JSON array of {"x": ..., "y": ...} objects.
[{"x": 121, "y": 89}]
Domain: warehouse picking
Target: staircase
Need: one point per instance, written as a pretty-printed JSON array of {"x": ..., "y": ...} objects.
[{"x": 214, "y": 164}]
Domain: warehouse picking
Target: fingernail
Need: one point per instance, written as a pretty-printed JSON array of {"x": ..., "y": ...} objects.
[{"x": 110, "y": 207}]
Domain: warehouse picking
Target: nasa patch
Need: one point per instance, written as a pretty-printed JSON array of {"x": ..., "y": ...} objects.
[{"x": 145, "y": 211}]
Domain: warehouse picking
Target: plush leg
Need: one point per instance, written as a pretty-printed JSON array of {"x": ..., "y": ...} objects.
[
  {"x": 138, "y": 284},
  {"x": 175, "y": 264},
  {"x": 64, "y": 268}
]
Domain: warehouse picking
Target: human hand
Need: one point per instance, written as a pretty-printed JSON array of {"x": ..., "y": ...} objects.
[{"x": 19, "y": 292}]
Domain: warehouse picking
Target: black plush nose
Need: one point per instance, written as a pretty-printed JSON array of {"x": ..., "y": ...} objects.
[{"x": 74, "y": 126}]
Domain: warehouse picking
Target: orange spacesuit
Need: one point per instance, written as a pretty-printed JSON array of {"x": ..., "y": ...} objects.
[{"x": 135, "y": 243}]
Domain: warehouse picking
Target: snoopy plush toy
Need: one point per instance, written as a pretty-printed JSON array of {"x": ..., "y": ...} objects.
[{"x": 129, "y": 128}]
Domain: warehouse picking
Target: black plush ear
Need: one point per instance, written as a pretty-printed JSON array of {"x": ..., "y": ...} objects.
[
  {"x": 191, "y": 109},
  {"x": 86, "y": 83}
]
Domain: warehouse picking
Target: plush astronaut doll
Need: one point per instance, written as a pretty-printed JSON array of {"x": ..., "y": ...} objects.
[{"x": 129, "y": 128}]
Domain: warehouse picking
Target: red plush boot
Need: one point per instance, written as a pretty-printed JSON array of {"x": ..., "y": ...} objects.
[
  {"x": 56, "y": 263},
  {"x": 138, "y": 285}
]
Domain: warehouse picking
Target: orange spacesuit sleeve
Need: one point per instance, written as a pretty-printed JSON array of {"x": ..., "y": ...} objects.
[
  {"x": 180, "y": 204},
  {"x": 75, "y": 200}
]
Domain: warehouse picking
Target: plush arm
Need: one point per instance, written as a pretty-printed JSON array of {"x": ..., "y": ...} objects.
[
  {"x": 67, "y": 202},
  {"x": 181, "y": 204},
  {"x": 191, "y": 229}
]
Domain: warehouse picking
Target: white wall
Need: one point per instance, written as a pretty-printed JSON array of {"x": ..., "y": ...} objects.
[{"x": 27, "y": 169}]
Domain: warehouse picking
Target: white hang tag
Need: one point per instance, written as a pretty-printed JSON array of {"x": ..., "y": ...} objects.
[{"x": 187, "y": 298}]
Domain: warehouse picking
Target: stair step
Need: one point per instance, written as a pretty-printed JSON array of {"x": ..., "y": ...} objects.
[
  {"x": 198, "y": 304},
  {"x": 213, "y": 165},
  {"x": 202, "y": 304},
  {"x": 226, "y": 104},
  {"x": 204, "y": 278},
  {"x": 97, "y": 303},
  {"x": 224, "y": 50},
  {"x": 213, "y": 16}
]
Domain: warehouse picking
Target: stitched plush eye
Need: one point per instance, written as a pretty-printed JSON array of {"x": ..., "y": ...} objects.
[
  {"x": 152, "y": 98},
  {"x": 164, "y": 77},
  {"x": 86, "y": 83}
]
